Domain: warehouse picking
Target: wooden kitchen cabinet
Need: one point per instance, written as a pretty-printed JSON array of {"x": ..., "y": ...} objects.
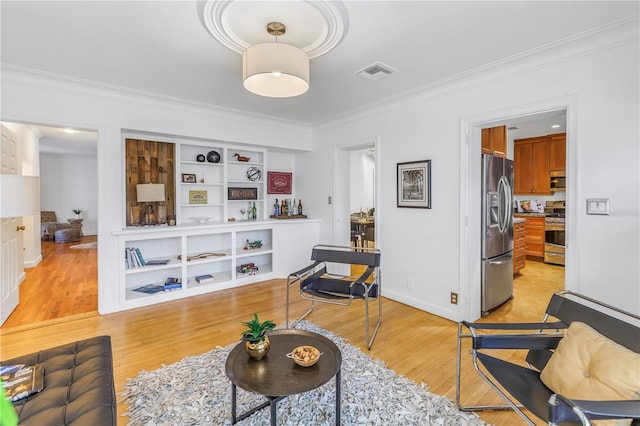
[
  {"x": 534, "y": 236},
  {"x": 531, "y": 166},
  {"x": 494, "y": 141},
  {"x": 558, "y": 151},
  {"x": 519, "y": 247}
]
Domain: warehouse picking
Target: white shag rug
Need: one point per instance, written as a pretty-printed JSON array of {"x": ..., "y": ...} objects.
[
  {"x": 196, "y": 391},
  {"x": 91, "y": 245}
]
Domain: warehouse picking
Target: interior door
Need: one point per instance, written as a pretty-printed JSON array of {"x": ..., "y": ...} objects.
[{"x": 10, "y": 237}]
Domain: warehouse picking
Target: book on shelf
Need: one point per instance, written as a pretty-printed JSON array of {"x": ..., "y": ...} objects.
[
  {"x": 207, "y": 278},
  {"x": 20, "y": 381},
  {"x": 150, "y": 288},
  {"x": 157, "y": 262},
  {"x": 139, "y": 255},
  {"x": 134, "y": 258},
  {"x": 172, "y": 283}
]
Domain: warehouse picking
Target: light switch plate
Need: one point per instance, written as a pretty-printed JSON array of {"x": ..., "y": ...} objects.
[{"x": 598, "y": 206}]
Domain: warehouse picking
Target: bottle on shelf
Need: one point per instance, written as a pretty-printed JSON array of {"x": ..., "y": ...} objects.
[
  {"x": 276, "y": 209},
  {"x": 254, "y": 212},
  {"x": 294, "y": 208},
  {"x": 283, "y": 208},
  {"x": 299, "y": 206}
]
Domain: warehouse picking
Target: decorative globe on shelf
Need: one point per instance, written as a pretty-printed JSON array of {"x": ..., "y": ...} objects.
[
  {"x": 254, "y": 174},
  {"x": 213, "y": 157}
]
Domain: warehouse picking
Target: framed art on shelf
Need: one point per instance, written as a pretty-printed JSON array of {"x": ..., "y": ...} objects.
[
  {"x": 279, "y": 182},
  {"x": 242, "y": 194},
  {"x": 198, "y": 197},
  {"x": 188, "y": 178},
  {"x": 414, "y": 184}
]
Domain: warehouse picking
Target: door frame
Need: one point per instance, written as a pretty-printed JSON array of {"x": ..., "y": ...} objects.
[
  {"x": 342, "y": 189},
  {"x": 470, "y": 235}
]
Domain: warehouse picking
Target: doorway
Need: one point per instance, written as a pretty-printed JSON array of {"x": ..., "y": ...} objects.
[
  {"x": 543, "y": 114},
  {"x": 61, "y": 277},
  {"x": 356, "y": 187}
]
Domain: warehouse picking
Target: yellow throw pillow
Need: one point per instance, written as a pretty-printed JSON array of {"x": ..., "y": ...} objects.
[{"x": 587, "y": 365}]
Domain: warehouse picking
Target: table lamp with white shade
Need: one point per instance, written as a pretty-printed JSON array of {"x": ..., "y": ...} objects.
[{"x": 150, "y": 193}]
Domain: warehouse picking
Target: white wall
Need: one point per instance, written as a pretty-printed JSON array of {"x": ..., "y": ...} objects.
[
  {"x": 34, "y": 98},
  {"x": 426, "y": 246},
  {"x": 70, "y": 182},
  {"x": 362, "y": 178}
]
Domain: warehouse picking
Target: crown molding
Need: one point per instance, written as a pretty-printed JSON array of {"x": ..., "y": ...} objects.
[
  {"x": 70, "y": 84},
  {"x": 619, "y": 33}
]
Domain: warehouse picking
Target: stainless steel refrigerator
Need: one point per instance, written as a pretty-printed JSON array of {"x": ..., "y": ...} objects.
[{"x": 497, "y": 231}]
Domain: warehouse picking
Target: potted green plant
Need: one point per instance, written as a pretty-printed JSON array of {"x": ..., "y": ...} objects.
[
  {"x": 256, "y": 341},
  {"x": 77, "y": 212}
]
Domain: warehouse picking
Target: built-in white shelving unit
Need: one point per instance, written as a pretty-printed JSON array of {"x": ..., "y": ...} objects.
[{"x": 207, "y": 176}]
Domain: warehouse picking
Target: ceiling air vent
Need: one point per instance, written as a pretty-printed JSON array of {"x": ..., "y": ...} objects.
[
  {"x": 376, "y": 71},
  {"x": 513, "y": 128}
]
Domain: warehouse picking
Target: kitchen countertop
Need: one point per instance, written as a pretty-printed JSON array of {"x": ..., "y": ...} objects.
[
  {"x": 529, "y": 215},
  {"x": 519, "y": 220}
]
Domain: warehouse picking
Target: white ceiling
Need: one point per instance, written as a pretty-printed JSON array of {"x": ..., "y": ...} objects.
[{"x": 163, "y": 47}]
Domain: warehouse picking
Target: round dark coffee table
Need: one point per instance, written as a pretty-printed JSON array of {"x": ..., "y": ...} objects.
[{"x": 277, "y": 376}]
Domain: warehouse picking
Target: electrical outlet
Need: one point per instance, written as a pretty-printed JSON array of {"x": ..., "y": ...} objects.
[{"x": 454, "y": 298}]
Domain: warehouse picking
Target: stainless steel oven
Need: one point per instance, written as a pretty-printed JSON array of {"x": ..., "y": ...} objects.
[{"x": 554, "y": 245}]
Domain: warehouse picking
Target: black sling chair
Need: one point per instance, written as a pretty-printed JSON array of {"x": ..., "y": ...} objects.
[
  {"x": 318, "y": 286},
  {"x": 523, "y": 383}
]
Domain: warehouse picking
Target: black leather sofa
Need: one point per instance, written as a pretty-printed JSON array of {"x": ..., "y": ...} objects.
[{"x": 78, "y": 385}]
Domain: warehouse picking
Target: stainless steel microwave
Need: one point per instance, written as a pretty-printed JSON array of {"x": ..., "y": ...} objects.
[{"x": 558, "y": 180}]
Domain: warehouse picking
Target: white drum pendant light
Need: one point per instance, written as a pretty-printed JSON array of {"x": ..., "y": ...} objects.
[{"x": 275, "y": 70}]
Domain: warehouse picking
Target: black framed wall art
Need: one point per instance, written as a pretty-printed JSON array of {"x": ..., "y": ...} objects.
[{"x": 414, "y": 184}]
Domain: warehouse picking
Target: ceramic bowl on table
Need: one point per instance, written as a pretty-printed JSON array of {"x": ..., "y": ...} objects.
[{"x": 305, "y": 356}]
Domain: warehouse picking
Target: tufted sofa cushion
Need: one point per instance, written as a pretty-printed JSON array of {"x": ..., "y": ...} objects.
[{"x": 78, "y": 385}]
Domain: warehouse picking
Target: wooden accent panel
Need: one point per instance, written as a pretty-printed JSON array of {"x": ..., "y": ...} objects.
[{"x": 149, "y": 162}]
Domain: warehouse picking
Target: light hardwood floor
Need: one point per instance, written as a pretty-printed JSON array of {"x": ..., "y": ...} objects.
[
  {"x": 413, "y": 343},
  {"x": 65, "y": 283}
]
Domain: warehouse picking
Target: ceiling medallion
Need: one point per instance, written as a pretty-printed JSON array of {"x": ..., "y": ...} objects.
[{"x": 316, "y": 26}]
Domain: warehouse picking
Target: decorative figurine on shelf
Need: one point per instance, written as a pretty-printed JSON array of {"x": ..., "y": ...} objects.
[
  {"x": 253, "y": 245},
  {"x": 213, "y": 157},
  {"x": 241, "y": 158},
  {"x": 200, "y": 158}
]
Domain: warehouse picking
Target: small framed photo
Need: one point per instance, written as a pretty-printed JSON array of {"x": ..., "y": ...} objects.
[
  {"x": 188, "y": 178},
  {"x": 242, "y": 194},
  {"x": 414, "y": 184}
]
